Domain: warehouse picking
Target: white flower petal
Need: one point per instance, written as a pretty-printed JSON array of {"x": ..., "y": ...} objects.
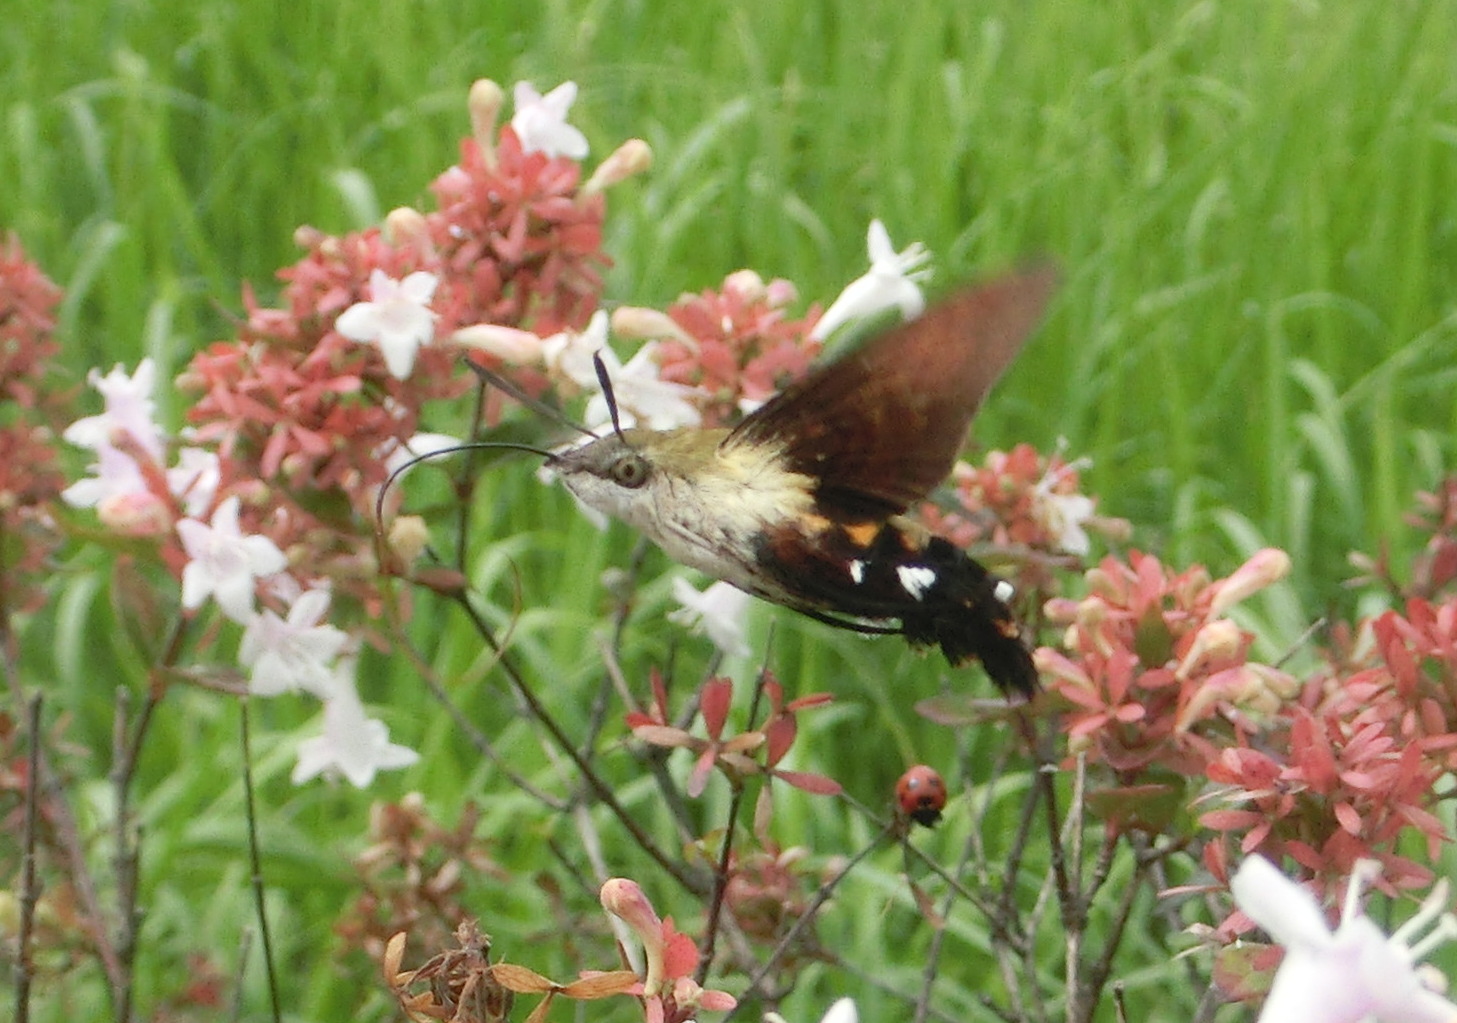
[
  {"x": 359, "y": 322},
  {"x": 540, "y": 121},
  {"x": 890, "y": 283},
  {"x": 398, "y": 318},
  {"x": 1351, "y": 975},
  {"x": 1281, "y": 907},
  {"x": 224, "y": 563},
  {"x": 353, "y": 745},
  {"x": 719, "y": 611}
]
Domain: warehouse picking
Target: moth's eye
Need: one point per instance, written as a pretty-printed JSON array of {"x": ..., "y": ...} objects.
[{"x": 630, "y": 470}]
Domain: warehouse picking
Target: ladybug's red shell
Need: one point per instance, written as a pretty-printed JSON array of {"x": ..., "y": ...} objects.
[{"x": 921, "y": 795}]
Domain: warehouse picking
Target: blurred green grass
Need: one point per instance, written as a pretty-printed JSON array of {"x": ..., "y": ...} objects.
[{"x": 1251, "y": 202}]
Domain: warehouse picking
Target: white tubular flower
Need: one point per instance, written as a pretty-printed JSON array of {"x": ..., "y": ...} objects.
[
  {"x": 541, "y": 121},
  {"x": 225, "y": 564},
  {"x": 397, "y": 318},
  {"x": 293, "y": 653},
  {"x": 1354, "y": 973},
  {"x": 719, "y": 611},
  {"x": 891, "y": 282},
  {"x": 353, "y": 745}
]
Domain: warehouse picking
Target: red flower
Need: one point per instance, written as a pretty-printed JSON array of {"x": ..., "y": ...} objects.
[{"x": 737, "y": 345}]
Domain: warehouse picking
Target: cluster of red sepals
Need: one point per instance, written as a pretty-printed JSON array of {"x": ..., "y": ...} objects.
[
  {"x": 294, "y": 404},
  {"x": 1326, "y": 766},
  {"x": 31, "y": 412},
  {"x": 737, "y": 345}
]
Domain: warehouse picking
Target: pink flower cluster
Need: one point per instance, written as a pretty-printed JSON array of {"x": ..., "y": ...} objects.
[
  {"x": 736, "y": 344},
  {"x": 1023, "y": 502},
  {"x": 30, "y": 479},
  {"x": 1337, "y": 767},
  {"x": 269, "y": 494},
  {"x": 1151, "y": 656}
]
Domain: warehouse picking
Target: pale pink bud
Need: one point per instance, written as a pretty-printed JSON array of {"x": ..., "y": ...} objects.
[
  {"x": 518, "y": 347},
  {"x": 1263, "y": 568},
  {"x": 486, "y": 99},
  {"x": 306, "y": 236},
  {"x": 637, "y": 323},
  {"x": 406, "y": 226},
  {"x": 136, "y": 514},
  {"x": 780, "y": 293},
  {"x": 632, "y": 157},
  {"x": 1101, "y": 584},
  {"x": 626, "y": 901},
  {"x": 745, "y": 285},
  {"x": 1254, "y": 689},
  {"x": 1220, "y": 640},
  {"x": 1052, "y": 664},
  {"x": 1266, "y": 689}
]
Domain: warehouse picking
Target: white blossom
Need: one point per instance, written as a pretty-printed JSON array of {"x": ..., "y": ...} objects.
[
  {"x": 397, "y": 318},
  {"x": 1063, "y": 515},
  {"x": 353, "y": 744},
  {"x": 129, "y": 412},
  {"x": 1353, "y": 974},
  {"x": 194, "y": 479},
  {"x": 642, "y": 395},
  {"x": 891, "y": 282},
  {"x": 225, "y": 564},
  {"x": 719, "y": 611},
  {"x": 541, "y": 124},
  {"x": 293, "y": 653}
]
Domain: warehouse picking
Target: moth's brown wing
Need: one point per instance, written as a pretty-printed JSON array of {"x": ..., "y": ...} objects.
[{"x": 882, "y": 426}]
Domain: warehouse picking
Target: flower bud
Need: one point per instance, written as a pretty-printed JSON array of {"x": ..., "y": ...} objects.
[
  {"x": 626, "y": 901},
  {"x": 1220, "y": 640},
  {"x": 406, "y": 226},
  {"x": 518, "y": 347},
  {"x": 137, "y": 514},
  {"x": 632, "y": 157},
  {"x": 1263, "y": 568},
  {"x": 408, "y": 536},
  {"x": 745, "y": 285},
  {"x": 637, "y": 323},
  {"x": 486, "y": 99}
]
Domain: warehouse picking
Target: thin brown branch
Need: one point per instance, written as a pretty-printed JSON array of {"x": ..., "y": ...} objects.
[
  {"x": 255, "y": 861},
  {"x": 477, "y": 738},
  {"x": 690, "y": 880},
  {"x": 24, "y": 968},
  {"x": 124, "y": 856},
  {"x": 790, "y": 936},
  {"x": 725, "y": 855}
]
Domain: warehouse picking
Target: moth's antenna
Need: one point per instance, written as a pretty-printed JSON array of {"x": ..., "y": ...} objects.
[
  {"x": 519, "y": 396},
  {"x": 481, "y": 445},
  {"x": 602, "y": 378}
]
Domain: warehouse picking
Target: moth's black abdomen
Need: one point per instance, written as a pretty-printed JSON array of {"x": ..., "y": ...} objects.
[
  {"x": 891, "y": 570},
  {"x": 961, "y": 612}
]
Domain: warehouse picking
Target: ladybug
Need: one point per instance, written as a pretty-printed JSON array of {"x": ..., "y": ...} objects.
[{"x": 921, "y": 795}]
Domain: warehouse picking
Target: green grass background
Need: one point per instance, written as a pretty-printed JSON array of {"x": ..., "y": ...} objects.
[{"x": 1252, "y": 202}]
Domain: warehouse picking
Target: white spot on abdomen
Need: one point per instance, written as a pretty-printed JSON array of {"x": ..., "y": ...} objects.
[
  {"x": 916, "y": 579},
  {"x": 857, "y": 571}
]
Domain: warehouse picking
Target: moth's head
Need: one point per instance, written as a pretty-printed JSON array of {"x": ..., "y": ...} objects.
[{"x": 623, "y": 470}]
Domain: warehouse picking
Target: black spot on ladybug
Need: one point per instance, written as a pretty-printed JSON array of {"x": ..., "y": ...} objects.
[{"x": 921, "y": 795}]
